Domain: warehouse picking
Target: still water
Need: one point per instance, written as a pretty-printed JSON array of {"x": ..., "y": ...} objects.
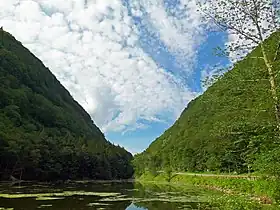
[{"x": 101, "y": 196}]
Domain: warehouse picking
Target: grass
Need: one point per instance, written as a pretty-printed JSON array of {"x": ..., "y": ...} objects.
[{"x": 236, "y": 193}]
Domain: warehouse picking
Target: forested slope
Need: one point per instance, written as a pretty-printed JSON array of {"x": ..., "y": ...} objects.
[
  {"x": 225, "y": 128},
  {"x": 44, "y": 133}
]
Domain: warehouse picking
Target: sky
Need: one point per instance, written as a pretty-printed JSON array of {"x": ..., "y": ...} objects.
[{"x": 133, "y": 65}]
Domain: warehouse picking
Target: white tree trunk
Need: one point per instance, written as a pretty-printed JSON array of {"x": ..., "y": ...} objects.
[{"x": 273, "y": 86}]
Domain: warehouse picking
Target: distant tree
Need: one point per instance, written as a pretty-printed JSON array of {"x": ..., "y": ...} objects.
[
  {"x": 250, "y": 22},
  {"x": 268, "y": 162},
  {"x": 44, "y": 134},
  {"x": 2, "y": 35},
  {"x": 168, "y": 172}
]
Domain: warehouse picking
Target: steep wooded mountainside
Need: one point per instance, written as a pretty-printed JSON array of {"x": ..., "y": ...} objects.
[
  {"x": 44, "y": 133},
  {"x": 225, "y": 128}
]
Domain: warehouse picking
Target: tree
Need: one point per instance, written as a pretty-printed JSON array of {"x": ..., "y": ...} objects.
[
  {"x": 268, "y": 162},
  {"x": 2, "y": 35},
  {"x": 168, "y": 172},
  {"x": 44, "y": 134},
  {"x": 249, "y": 22}
]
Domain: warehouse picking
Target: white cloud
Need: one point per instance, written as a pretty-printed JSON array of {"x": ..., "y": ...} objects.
[
  {"x": 94, "y": 50},
  {"x": 211, "y": 74},
  {"x": 179, "y": 28}
]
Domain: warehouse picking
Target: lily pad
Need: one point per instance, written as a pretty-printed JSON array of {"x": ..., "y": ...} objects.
[
  {"x": 98, "y": 204},
  {"x": 45, "y": 205},
  {"x": 60, "y": 194},
  {"x": 49, "y": 198}
]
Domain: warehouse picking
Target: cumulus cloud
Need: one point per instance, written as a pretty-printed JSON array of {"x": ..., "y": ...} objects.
[
  {"x": 92, "y": 46},
  {"x": 178, "y": 25}
]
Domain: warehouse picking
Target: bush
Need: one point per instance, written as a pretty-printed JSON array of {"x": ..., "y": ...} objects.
[{"x": 268, "y": 162}]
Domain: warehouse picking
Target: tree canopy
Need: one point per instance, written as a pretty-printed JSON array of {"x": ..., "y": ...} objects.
[
  {"x": 44, "y": 133},
  {"x": 227, "y": 127}
]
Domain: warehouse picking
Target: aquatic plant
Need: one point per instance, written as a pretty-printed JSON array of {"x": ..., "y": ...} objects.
[{"x": 60, "y": 194}]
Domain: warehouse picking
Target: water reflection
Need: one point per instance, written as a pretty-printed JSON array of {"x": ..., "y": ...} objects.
[
  {"x": 105, "y": 195},
  {"x": 133, "y": 207}
]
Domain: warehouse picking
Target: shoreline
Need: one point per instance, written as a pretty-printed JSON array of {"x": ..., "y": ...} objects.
[
  {"x": 67, "y": 181},
  {"x": 258, "y": 189}
]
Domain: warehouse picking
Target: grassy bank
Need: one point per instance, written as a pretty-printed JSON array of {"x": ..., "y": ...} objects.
[{"x": 237, "y": 193}]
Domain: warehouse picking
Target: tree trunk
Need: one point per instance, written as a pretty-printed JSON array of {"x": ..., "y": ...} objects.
[
  {"x": 2, "y": 35},
  {"x": 268, "y": 64},
  {"x": 273, "y": 87}
]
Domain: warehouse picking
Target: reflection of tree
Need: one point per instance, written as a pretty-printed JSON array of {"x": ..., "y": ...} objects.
[
  {"x": 121, "y": 205},
  {"x": 157, "y": 205},
  {"x": 154, "y": 191}
]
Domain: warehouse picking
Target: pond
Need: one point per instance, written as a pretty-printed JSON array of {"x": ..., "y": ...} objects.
[{"x": 101, "y": 195}]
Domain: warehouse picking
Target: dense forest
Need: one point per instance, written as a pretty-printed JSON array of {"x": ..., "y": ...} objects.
[
  {"x": 229, "y": 128},
  {"x": 44, "y": 133}
]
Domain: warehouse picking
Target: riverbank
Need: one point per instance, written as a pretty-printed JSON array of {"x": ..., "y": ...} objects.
[
  {"x": 68, "y": 181},
  {"x": 106, "y": 196},
  {"x": 246, "y": 189}
]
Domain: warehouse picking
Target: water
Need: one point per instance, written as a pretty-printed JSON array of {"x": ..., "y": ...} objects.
[{"x": 101, "y": 196}]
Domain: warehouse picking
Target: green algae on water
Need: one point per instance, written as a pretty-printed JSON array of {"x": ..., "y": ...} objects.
[
  {"x": 49, "y": 198},
  {"x": 45, "y": 205},
  {"x": 59, "y": 194},
  {"x": 98, "y": 204}
]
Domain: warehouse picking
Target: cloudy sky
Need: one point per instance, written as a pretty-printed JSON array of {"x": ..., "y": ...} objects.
[{"x": 133, "y": 65}]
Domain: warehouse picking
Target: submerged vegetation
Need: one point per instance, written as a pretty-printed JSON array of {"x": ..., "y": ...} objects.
[
  {"x": 107, "y": 196},
  {"x": 180, "y": 193},
  {"x": 231, "y": 193},
  {"x": 58, "y": 195},
  {"x": 44, "y": 133}
]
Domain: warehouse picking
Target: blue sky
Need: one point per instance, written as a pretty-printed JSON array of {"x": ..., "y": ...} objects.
[
  {"x": 139, "y": 140},
  {"x": 133, "y": 65}
]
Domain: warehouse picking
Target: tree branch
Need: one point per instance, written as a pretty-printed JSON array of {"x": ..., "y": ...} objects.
[
  {"x": 257, "y": 58},
  {"x": 247, "y": 36},
  {"x": 253, "y": 80},
  {"x": 276, "y": 53}
]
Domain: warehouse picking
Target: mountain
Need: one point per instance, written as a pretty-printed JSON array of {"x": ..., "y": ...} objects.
[
  {"x": 224, "y": 128},
  {"x": 44, "y": 133}
]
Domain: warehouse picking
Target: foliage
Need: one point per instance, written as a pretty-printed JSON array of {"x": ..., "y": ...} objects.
[
  {"x": 235, "y": 203},
  {"x": 44, "y": 133},
  {"x": 268, "y": 162},
  {"x": 235, "y": 193},
  {"x": 249, "y": 21},
  {"x": 224, "y": 193},
  {"x": 168, "y": 172},
  {"x": 226, "y": 127}
]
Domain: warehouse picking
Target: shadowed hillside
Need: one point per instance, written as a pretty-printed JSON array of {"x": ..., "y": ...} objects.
[{"x": 44, "y": 133}]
